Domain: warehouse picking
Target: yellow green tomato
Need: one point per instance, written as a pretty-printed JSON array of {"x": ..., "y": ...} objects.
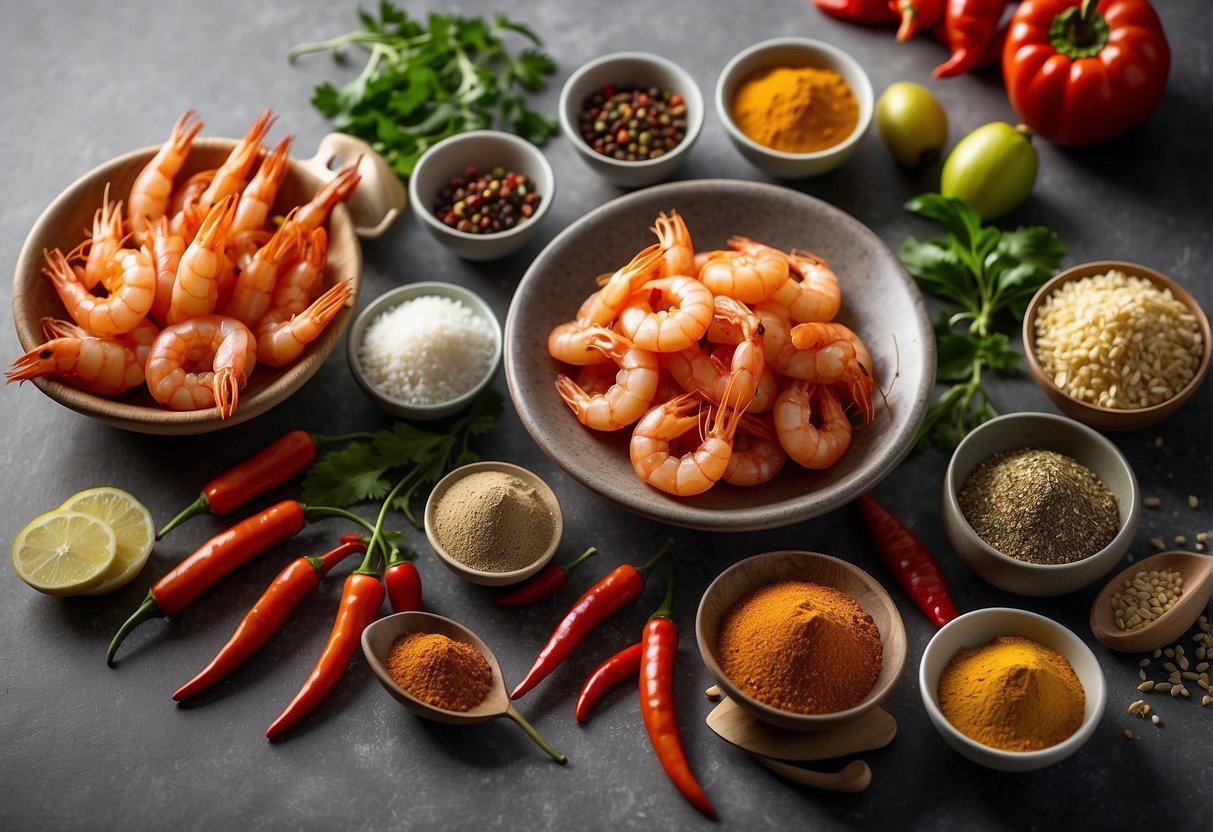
[
  {"x": 993, "y": 169},
  {"x": 912, "y": 124}
]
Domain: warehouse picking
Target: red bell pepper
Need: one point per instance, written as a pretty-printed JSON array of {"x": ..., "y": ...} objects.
[
  {"x": 872, "y": 12},
  {"x": 1082, "y": 74}
]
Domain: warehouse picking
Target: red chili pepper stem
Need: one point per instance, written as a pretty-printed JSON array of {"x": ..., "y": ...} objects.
[
  {"x": 657, "y": 558},
  {"x": 666, "y": 610},
  {"x": 513, "y": 714},
  {"x": 567, "y": 568}
]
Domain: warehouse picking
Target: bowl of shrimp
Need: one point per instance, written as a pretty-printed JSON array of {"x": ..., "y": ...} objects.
[
  {"x": 720, "y": 355},
  {"x": 212, "y": 280}
]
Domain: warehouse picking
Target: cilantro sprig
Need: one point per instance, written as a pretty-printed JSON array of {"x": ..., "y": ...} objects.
[
  {"x": 983, "y": 272},
  {"x": 359, "y": 472},
  {"x": 423, "y": 83}
]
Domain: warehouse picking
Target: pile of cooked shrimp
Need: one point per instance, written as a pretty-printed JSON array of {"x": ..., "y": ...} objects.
[
  {"x": 192, "y": 286},
  {"x": 726, "y": 362}
]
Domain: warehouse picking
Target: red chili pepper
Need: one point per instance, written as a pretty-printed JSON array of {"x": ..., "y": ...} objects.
[
  {"x": 916, "y": 15},
  {"x": 623, "y": 665},
  {"x": 547, "y": 583},
  {"x": 403, "y": 583},
  {"x": 660, "y": 645},
  {"x": 970, "y": 26},
  {"x": 267, "y": 616},
  {"x": 909, "y": 560},
  {"x": 278, "y": 464},
  {"x": 600, "y": 602},
  {"x": 211, "y": 562},
  {"x": 361, "y": 600},
  {"x": 859, "y": 11}
]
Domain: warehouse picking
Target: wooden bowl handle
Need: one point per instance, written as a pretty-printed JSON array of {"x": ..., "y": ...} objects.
[{"x": 380, "y": 195}]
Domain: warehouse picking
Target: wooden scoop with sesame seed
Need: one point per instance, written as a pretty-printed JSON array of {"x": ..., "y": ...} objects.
[{"x": 1157, "y": 629}]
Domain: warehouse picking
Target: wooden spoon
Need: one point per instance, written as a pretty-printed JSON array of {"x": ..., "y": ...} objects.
[
  {"x": 854, "y": 778},
  {"x": 874, "y": 729},
  {"x": 1197, "y": 572}
]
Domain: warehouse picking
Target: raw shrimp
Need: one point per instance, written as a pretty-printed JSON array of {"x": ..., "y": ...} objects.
[
  {"x": 812, "y": 445},
  {"x": 103, "y": 366},
  {"x": 668, "y": 314},
  {"x": 166, "y": 249},
  {"x": 102, "y": 246},
  {"x": 258, "y": 196},
  {"x": 708, "y": 374},
  {"x": 255, "y": 284},
  {"x": 313, "y": 214},
  {"x": 675, "y": 241},
  {"x": 298, "y": 283},
  {"x": 138, "y": 340},
  {"x": 812, "y": 292},
  {"x": 232, "y": 175},
  {"x": 627, "y": 399},
  {"x": 831, "y": 353},
  {"x": 201, "y": 362},
  {"x": 281, "y": 342},
  {"x": 196, "y": 288},
  {"x": 757, "y": 455},
  {"x": 751, "y": 273},
  {"x": 693, "y": 472},
  {"x": 153, "y": 188},
  {"x": 123, "y": 309}
]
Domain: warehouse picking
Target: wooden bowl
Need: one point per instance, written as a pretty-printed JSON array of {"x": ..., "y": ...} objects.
[
  {"x": 375, "y": 204},
  {"x": 1107, "y": 418},
  {"x": 760, "y": 570}
]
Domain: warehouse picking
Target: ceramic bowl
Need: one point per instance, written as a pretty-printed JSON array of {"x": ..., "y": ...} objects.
[
  {"x": 1106, "y": 418},
  {"x": 485, "y": 150},
  {"x": 880, "y": 302},
  {"x": 760, "y": 570},
  {"x": 644, "y": 70},
  {"x": 979, "y": 627},
  {"x": 1044, "y": 431},
  {"x": 385, "y": 302},
  {"x": 478, "y": 576},
  {"x": 793, "y": 52},
  {"x": 375, "y": 203}
]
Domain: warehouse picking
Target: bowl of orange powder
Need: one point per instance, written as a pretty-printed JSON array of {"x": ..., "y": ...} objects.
[{"x": 801, "y": 640}]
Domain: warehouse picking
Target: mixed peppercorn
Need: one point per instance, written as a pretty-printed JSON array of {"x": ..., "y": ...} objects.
[
  {"x": 486, "y": 203},
  {"x": 631, "y": 123}
]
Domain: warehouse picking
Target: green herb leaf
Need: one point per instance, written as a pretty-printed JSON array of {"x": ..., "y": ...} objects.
[{"x": 344, "y": 477}]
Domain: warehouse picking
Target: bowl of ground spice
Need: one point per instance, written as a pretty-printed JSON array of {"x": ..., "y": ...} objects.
[
  {"x": 1038, "y": 504},
  {"x": 1116, "y": 345},
  {"x": 795, "y": 107},
  {"x": 1010, "y": 689},
  {"x": 493, "y": 523},
  {"x": 801, "y": 640}
]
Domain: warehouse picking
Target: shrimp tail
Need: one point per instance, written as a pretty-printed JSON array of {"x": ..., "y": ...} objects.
[{"x": 227, "y": 391}]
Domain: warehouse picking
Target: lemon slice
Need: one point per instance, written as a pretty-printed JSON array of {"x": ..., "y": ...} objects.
[
  {"x": 133, "y": 528},
  {"x": 64, "y": 552}
]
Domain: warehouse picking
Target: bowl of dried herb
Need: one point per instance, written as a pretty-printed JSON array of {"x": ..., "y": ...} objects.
[{"x": 1039, "y": 504}]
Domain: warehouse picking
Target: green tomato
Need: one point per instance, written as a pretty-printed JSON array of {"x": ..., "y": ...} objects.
[
  {"x": 912, "y": 124},
  {"x": 993, "y": 169}
]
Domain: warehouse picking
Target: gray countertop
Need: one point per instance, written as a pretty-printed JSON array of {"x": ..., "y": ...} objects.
[{"x": 83, "y": 746}]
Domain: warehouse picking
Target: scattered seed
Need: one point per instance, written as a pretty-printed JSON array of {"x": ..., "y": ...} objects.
[
  {"x": 1192, "y": 501},
  {"x": 1189, "y": 675},
  {"x": 1146, "y": 687},
  {"x": 1157, "y": 441},
  {"x": 1157, "y": 652},
  {"x": 1202, "y": 537},
  {"x": 1151, "y": 502},
  {"x": 1169, "y": 652},
  {"x": 1141, "y": 674},
  {"x": 1180, "y": 540},
  {"x": 1145, "y": 709},
  {"x": 1134, "y": 707},
  {"x": 1203, "y": 623},
  {"x": 1205, "y": 700},
  {"x": 713, "y": 692},
  {"x": 1162, "y": 687},
  {"x": 1169, "y": 667},
  {"x": 1176, "y": 690},
  {"x": 1129, "y": 734},
  {"x": 1156, "y": 543},
  {"x": 1144, "y": 663},
  {"x": 1183, "y": 662},
  {"x": 1204, "y": 683},
  {"x": 1179, "y": 649},
  {"x": 1200, "y": 547},
  {"x": 1202, "y": 667},
  {"x": 1155, "y": 719},
  {"x": 1174, "y": 678}
]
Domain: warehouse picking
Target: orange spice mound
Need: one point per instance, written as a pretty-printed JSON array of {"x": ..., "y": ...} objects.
[
  {"x": 800, "y": 647},
  {"x": 439, "y": 670}
]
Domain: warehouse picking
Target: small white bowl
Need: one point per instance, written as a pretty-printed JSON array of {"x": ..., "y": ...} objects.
[
  {"x": 1044, "y": 431},
  {"x": 642, "y": 69},
  {"x": 409, "y": 410},
  {"x": 483, "y": 150},
  {"x": 477, "y": 576},
  {"x": 793, "y": 52},
  {"x": 979, "y": 627}
]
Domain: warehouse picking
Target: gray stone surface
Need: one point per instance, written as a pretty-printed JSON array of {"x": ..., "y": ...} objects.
[{"x": 85, "y": 747}]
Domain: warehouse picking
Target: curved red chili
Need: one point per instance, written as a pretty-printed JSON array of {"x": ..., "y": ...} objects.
[
  {"x": 859, "y": 11},
  {"x": 970, "y": 26},
  {"x": 277, "y": 465},
  {"x": 599, "y": 602},
  {"x": 211, "y": 562},
  {"x": 623, "y": 665},
  {"x": 550, "y": 580},
  {"x": 909, "y": 560},
  {"x": 361, "y": 599},
  {"x": 660, "y": 645},
  {"x": 292, "y": 585},
  {"x": 916, "y": 15}
]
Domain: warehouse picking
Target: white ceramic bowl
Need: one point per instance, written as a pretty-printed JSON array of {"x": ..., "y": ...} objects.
[
  {"x": 1047, "y": 432},
  {"x": 484, "y": 150},
  {"x": 793, "y": 52},
  {"x": 395, "y": 297},
  {"x": 478, "y": 576},
  {"x": 978, "y": 627},
  {"x": 630, "y": 68}
]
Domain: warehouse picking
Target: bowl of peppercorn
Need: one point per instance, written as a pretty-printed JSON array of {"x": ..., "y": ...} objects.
[
  {"x": 631, "y": 116},
  {"x": 482, "y": 194},
  {"x": 1038, "y": 504}
]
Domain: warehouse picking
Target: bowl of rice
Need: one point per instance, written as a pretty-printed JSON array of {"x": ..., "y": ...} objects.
[
  {"x": 425, "y": 350},
  {"x": 1116, "y": 345}
]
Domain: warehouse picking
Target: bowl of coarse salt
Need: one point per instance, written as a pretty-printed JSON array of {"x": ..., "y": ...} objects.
[{"x": 426, "y": 350}]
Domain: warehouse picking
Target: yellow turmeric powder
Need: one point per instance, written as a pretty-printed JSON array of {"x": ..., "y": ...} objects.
[
  {"x": 796, "y": 109},
  {"x": 800, "y": 647},
  {"x": 1012, "y": 693}
]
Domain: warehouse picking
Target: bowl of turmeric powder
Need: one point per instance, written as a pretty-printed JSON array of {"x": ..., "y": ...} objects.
[{"x": 795, "y": 107}]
